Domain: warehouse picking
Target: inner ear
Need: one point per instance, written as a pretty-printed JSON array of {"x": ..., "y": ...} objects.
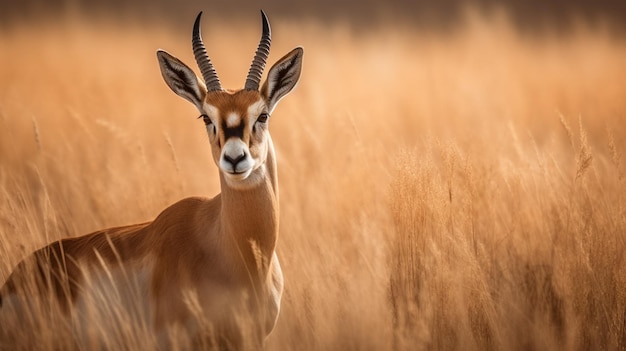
[
  {"x": 282, "y": 77},
  {"x": 181, "y": 79}
]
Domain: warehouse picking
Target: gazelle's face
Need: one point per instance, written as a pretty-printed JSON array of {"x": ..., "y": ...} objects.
[
  {"x": 235, "y": 121},
  {"x": 237, "y": 125}
]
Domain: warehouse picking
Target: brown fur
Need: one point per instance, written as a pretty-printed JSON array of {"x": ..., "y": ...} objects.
[
  {"x": 184, "y": 259},
  {"x": 233, "y": 101}
]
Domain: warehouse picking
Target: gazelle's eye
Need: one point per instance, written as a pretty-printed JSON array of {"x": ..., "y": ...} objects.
[
  {"x": 262, "y": 118},
  {"x": 206, "y": 119}
]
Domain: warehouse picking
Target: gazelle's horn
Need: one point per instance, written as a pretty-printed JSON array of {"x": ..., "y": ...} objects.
[
  {"x": 262, "y": 52},
  {"x": 202, "y": 58}
]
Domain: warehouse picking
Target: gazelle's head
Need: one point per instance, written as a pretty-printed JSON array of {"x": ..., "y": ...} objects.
[{"x": 237, "y": 120}]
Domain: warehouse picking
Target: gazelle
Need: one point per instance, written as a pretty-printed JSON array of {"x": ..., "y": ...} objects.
[{"x": 221, "y": 251}]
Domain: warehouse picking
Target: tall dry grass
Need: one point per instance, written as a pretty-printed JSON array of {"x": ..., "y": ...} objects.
[{"x": 438, "y": 191}]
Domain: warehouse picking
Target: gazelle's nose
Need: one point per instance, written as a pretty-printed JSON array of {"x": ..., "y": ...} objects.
[{"x": 235, "y": 160}]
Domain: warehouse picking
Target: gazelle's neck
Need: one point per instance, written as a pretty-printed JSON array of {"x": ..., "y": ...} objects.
[{"x": 250, "y": 216}]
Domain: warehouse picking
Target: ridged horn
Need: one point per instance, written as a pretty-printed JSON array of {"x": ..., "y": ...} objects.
[
  {"x": 262, "y": 52},
  {"x": 211, "y": 80}
]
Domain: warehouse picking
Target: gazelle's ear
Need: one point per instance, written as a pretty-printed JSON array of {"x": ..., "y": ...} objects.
[
  {"x": 181, "y": 79},
  {"x": 282, "y": 77}
]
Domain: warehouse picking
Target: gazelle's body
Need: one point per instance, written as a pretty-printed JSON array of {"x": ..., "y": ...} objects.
[{"x": 218, "y": 254}]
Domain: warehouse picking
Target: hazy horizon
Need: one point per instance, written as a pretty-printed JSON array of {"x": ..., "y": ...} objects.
[{"x": 528, "y": 16}]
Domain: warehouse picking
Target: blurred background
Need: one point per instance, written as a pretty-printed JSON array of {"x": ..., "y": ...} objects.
[{"x": 529, "y": 16}]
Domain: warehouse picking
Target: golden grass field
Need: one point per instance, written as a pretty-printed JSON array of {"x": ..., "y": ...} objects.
[{"x": 448, "y": 191}]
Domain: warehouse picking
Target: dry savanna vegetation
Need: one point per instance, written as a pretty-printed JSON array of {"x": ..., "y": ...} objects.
[{"x": 463, "y": 190}]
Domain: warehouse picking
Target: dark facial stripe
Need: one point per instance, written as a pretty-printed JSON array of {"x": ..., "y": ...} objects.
[{"x": 233, "y": 132}]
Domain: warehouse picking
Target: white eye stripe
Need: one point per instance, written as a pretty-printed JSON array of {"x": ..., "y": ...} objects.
[
  {"x": 255, "y": 110},
  {"x": 210, "y": 111}
]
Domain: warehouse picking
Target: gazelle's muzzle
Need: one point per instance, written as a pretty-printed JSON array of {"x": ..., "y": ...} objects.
[{"x": 235, "y": 159}]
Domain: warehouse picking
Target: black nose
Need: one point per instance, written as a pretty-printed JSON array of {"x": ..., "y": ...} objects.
[{"x": 235, "y": 160}]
